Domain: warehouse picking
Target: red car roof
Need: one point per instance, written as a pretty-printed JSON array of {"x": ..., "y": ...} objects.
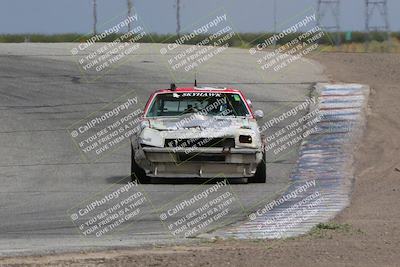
[{"x": 199, "y": 89}]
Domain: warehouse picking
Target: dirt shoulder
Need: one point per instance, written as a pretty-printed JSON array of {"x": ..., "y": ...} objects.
[{"x": 365, "y": 234}]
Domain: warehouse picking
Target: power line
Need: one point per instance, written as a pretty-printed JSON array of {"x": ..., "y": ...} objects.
[
  {"x": 178, "y": 17},
  {"x": 275, "y": 20},
  {"x": 129, "y": 2},
  {"x": 380, "y": 7},
  {"x": 94, "y": 17},
  {"x": 332, "y": 7}
]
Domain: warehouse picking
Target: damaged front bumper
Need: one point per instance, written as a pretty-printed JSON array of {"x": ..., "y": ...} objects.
[{"x": 201, "y": 162}]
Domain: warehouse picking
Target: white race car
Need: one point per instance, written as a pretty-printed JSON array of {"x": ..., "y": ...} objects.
[{"x": 200, "y": 133}]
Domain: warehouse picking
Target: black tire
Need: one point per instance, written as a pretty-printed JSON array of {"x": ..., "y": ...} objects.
[
  {"x": 137, "y": 173},
  {"x": 261, "y": 173}
]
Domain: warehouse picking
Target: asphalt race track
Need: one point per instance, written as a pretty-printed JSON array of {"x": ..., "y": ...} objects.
[{"x": 42, "y": 176}]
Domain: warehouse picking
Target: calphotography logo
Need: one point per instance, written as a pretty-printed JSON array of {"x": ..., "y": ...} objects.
[
  {"x": 275, "y": 203},
  {"x": 104, "y": 51},
  {"x": 107, "y": 129},
  {"x": 285, "y": 130},
  {"x": 201, "y": 210},
  {"x": 199, "y": 44},
  {"x": 294, "y": 42},
  {"x": 108, "y": 212}
]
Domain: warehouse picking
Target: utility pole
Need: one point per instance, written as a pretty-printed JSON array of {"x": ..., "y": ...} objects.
[
  {"x": 178, "y": 17},
  {"x": 275, "y": 23},
  {"x": 333, "y": 7},
  {"x": 370, "y": 26},
  {"x": 129, "y": 15},
  {"x": 94, "y": 17}
]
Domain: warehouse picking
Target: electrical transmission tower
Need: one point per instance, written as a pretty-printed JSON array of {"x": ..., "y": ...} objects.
[
  {"x": 94, "y": 17},
  {"x": 178, "y": 17},
  {"x": 373, "y": 6},
  {"x": 331, "y": 7},
  {"x": 129, "y": 14}
]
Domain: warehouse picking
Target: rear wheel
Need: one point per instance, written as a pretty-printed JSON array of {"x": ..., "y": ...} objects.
[
  {"x": 261, "y": 173},
  {"x": 137, "y": 173}
]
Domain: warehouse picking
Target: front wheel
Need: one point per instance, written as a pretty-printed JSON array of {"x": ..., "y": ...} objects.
[
  {"x": 137, "y": 173},
  {"x": 261, "y": 173}
]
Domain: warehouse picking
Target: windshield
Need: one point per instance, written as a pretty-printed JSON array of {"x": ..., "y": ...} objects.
[{"x": 205, "y": 103}]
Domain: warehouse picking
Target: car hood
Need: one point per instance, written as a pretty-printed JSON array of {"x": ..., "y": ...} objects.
[
  {"x": 201, "y": 122},
  {"x": 196, "y": 126}
]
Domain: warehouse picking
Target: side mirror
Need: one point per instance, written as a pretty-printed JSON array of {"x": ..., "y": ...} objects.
[{"x": 259, "y": 114}]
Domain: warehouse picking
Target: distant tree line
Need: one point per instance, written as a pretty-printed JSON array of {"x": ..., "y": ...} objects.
[{"x": 242, "y": 39}]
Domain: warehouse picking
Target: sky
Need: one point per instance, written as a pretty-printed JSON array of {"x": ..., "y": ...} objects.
[{"x": 159, "y": 16}]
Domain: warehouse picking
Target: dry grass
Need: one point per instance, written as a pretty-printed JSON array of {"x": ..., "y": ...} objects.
[{"x": 373, "y": 47}]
